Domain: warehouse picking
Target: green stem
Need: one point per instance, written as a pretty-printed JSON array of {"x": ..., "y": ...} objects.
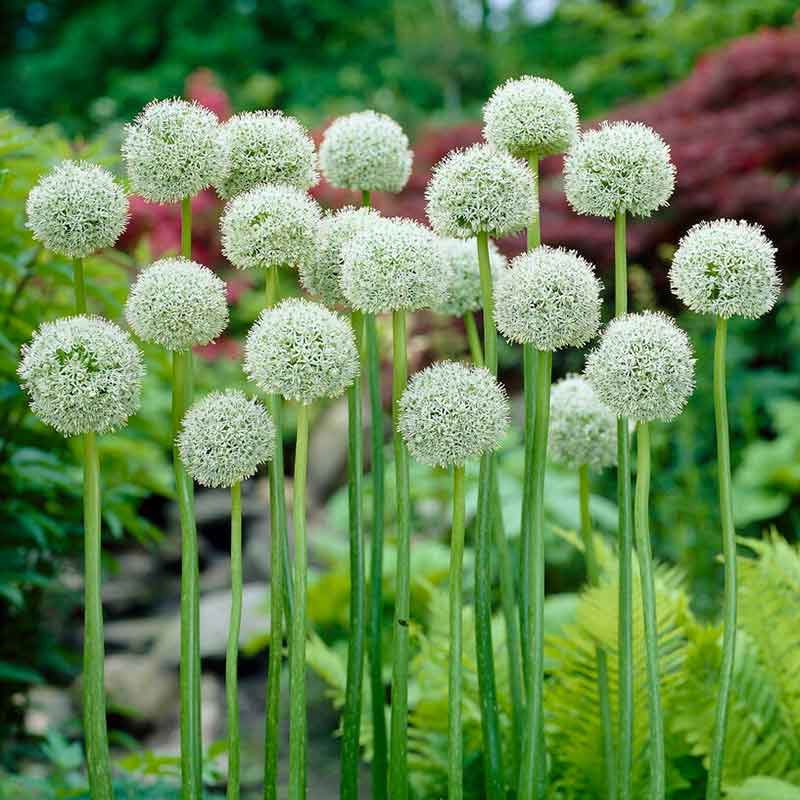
[
  {"x": 190, "y": 675},
  {"x": 351, "y": 723},
  {"x": 186, "y": 227},
  {"x": 94, "y": 699},
  {"x": 526, "y": 521},
  {"x": 533, "y": 775},
  {"x": 729, "y": 552},
  {"x": 79, "y": 282},
  {"x": 625, "y": 544},
  {"x": 534, "y": 228},
  {"x": 644, "y": 551},
  {"x": 473, "y": 339},
  {"x": 366, "y": 199},
  {"x": 455, "y": 735},
  {"x": 593, "y": 574},
  {"x": 232, "y": 655},
  {"x": 398, "y": 766},
  {"x": 297, "y": 650}
]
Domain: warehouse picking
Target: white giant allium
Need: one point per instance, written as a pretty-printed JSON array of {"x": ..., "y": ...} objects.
[
  {"x": 480, "y": 190},
  {"x": 270, "y": 226},
  {"x": 77, "y": 209},
  {"x": 643, "y": 367},
  {"x": 225, "y": 437},
  {"x": 265, "y": 147},
  {"x": 393, "y": 265},
  {"x": 302, "y": 351},
  {"x": 726, "y": 268},
  {"x": 367, "y": 152},
  {"x": 550, "y": 298},
  {"x": 582, "y": 431},
  {"x": 451, "y": 413},
  {"x": 530, "y": 117},
  {"x": 620, "y": 166},
  {"x": 82, "y": 374},
  {"x": 177, "y": 304}
]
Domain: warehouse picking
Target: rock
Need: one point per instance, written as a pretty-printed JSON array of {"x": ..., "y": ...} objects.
[
  {"x": 135, "y": 634},
  {"x": 327, "y": 455},
  {"x": 49, "y": 709},
  {"x": 131, "y": 586}
]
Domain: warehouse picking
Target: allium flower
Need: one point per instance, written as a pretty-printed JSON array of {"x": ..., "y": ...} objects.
[
  {"x": 530, "y": 117},
  {"x": 224, "y": 438},
  {"x": 726, "y": 268},
  {"x": 393, "y": 265},
  {"x": 77, "y": 209},
  {"x": 451, "y": 413},
  {"x": 322, "y": 274},
  {"x": 620, "y": 166},
  {"x": 366, "y": 151},
  {"x": 82, "y": 374},
  {"x": 459, "y": 259},
  {"x": 643, "y": 367},
  {"x": 172, "y": 150},
  {"x": 265, "y": 147},
  {"x": 480, "y": 189},
  {"x": 302, "y": 351},
  {"x": 583, "y": 431},
  {"x": 550, "y": 298},
  {"x": 177, "y": 304},
  {"x": 270, "y": 226}
]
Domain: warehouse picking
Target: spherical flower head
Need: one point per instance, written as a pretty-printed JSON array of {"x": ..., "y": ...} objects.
[
  {"x": 172, "y": 150},
  {"x": 82, "y": 374},
  {"x": 583, "y": 431},
  {"x": 550, "y": 298},
  {"x": 726, "y": 268},
  {"x": 451, "y": 413},
  {"x": 77, "y": 209},
  {"x": 643, "y": 367},
  {"x": 224, "y": 438},
  {"x": 265, "y": 147},
  {"x": 480, "y": 190},
  {"x": 393, "y": 265},
  {"x": 302, "y": 351},
  {"x": 620, "y": 166},
  {"x": 459, "y": 259},
  {"x": 367, "y": 152},
  {"x": 270, "y": 226},
  {"x": 321, "y": 275},
  {"x": 530, "y": 117},
  {"x": 177, "y": 304}
]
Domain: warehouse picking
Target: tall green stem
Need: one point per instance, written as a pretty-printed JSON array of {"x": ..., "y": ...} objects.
[
  {"x": 625, "y": 543},
  {"x": 490, "y": 723},
  {"x": 186, "y": 227},
  {"x": 473, "y": 339},
  {"x": 232, "y": 655},
  {"x": 455, "y": 773},
  {"x": 729, "y": 551},
  {"x": 593, "y": 574},
  {"x": 644, "y": 551},
  {"x": 297, "y": 651},
  {"x": 79, "y": 282},
  {"x": 351, "y": 724},
  {"x": 398, "y": 766},
  {"x": 533, "y": 775},
  {"x": 535, "y": 226}
]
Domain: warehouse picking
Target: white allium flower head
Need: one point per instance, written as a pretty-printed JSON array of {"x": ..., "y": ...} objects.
[
  {"x": 265, "y": 147},
  {"x": 177, "y": 304},
  {"x": 321, "y": 275},
  {"x": 172, "y": 150},
  {"x": 460, "y": 263},
  {"x": 643, "y": 367},
  {"x": 82, "y": 374},
  {"x": 366, "y": 151},
  {"x": 451, "y": 413},
  {"x": 272, "y": 225},
  {"x": 480, "y": 190},
  {"x": 620, "y": 166},
  {"x": 583, "y": 431},
  {"x": 77, "y": 209},
  {"x": 302, "y": 351},
  {"x": 550, "y": 298},
  {"x": 224, "y": 438},
  {"x": 530, "y": 117},
  {"x": 726, "y": 268},
  {"x": 393, "y": 265}
]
